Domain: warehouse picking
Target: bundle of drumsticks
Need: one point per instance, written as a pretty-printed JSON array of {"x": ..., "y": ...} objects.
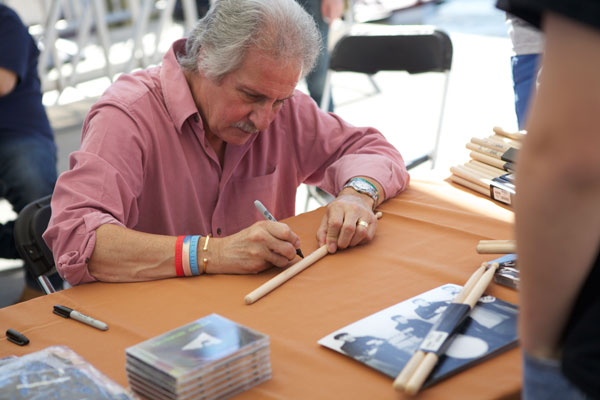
[
  {"x": 423, "y": 361},
  {"x": 490, "y": 170}
]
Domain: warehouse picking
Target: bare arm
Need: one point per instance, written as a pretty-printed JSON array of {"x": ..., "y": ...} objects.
[
  {"x": 125, "y": 255},
  {"x": 557, "y": 214},
  {"x": 8, "y": 81}
]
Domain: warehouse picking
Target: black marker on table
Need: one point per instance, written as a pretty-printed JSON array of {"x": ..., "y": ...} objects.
[
  {"x": 67, "y": 312},
  {"x": 263, "y": 210}
]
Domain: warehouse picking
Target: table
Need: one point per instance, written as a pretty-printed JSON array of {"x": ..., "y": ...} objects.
[{"x": 426, "y": 238}]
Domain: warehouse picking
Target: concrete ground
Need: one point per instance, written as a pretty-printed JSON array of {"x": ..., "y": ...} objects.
[{"x": 407, "y": 109}]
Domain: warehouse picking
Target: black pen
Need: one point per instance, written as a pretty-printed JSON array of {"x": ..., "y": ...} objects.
[
  {"x": 67, "y": 312},
  {"x": 263, "y": 210}
]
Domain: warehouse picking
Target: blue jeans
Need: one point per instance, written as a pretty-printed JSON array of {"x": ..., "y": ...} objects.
[
  {"x": 315, "y": 80},
  {"x": 524, "y": 70},
  {"x": 543, "y": 380},
  {"x": 27, "y": 173}
]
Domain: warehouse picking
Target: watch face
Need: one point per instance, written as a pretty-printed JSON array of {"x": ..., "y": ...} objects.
[{"x": 362, "y": 187}]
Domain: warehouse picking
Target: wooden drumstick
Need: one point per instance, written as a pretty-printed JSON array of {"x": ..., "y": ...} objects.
[
  {"x": 513, "y": 143},
  {"x": 485, "y": 150},
  {"x": 511, "y": 135},
  {"x": 470, "y": 185},
  {"x": 480, "y": 172},
  {"x": 483, "y": 166},
  {"x": 286, "y": 275},
  {"x": 496, "y": 247},
  {"x": 492, "y": 144},
  {"x": 471, "y": 176},
  {"x": 289, "y": 273},
  {"x": 495, "y": 162}
]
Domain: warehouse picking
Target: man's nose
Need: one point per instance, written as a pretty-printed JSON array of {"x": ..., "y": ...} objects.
[{"x": 262, "y": 115}]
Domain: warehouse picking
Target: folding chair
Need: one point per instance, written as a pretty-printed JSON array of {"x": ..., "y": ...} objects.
[
  {"x": 370, "y": 48},
  {"x": 30, "y": 224},
  {"x": 415, "y": 49}
]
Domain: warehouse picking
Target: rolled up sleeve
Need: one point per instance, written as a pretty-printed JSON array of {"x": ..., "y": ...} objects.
[
  {"x": 349, "y": 151},
  {"x": 100, "y": 188}
]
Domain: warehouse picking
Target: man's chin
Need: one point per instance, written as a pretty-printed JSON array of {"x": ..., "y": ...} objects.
[{"x": 240, "y": 137}]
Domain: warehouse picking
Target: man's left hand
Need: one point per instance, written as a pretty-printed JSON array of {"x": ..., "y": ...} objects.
[{"x": 348, "y": 221}]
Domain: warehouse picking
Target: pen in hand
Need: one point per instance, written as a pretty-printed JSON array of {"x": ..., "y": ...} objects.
[{"x": 263, "y": 210}]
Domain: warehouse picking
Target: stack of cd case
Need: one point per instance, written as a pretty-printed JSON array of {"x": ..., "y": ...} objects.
[{"x": 211, "y": 358}]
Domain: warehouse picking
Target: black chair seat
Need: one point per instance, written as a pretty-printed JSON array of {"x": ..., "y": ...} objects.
[{"x": 30, "y": 224}]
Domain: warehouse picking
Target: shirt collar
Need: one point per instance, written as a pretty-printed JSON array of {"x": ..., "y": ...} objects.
[{"x": 176, "y": 91}]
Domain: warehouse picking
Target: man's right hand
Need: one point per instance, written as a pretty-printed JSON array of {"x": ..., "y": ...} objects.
[{"x": 254, "y": 249}]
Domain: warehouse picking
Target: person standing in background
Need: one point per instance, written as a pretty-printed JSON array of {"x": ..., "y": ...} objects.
[
  {"x": 527, "y": 43},
  {"x": 324, "y": 12},
  {"x": 27, "y": 148}
]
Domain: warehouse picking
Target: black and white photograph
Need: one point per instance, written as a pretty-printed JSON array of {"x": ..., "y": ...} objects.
[{"x": 387, "y": 339}]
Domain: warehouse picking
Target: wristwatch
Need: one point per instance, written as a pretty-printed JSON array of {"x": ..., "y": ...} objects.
[{"x": 365, "y": 187}]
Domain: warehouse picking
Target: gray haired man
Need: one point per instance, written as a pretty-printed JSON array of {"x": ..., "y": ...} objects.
[{"x": 182, "y": 150}]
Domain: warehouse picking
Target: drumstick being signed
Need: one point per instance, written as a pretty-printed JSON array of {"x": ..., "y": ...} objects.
[{"x": 292, "y": 271}]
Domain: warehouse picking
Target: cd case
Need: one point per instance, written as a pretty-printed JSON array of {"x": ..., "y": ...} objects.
[
  {"x": 387, "y": 339},
  {"x": 210, "y": 358},
  {"x": 56, "y": 372}
]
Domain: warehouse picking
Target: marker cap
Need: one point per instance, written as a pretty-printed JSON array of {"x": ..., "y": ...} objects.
[
  {"x": 62, "y": 311},
  {"x": 16, "y": 337}
]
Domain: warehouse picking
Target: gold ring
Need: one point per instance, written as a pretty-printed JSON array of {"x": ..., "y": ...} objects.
[{"x": 363, "y": 223}]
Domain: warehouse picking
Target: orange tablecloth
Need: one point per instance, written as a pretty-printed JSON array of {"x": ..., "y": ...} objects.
[{"x": 426, "y": 238}]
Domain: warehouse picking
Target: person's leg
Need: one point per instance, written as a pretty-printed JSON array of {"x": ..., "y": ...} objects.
[
  {"x": 543, "y": 380},
  {"x": 315, "y": 80},
  {"x": 524, "y": 70},
  {"x": 27, "y": 172}
]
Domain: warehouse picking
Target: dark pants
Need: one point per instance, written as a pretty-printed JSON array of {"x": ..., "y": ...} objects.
[
  {"x": 27, "y": 173},
  {"x": 315, "y": 80}
]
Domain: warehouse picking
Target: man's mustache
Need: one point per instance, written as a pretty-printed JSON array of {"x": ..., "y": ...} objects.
[{"x": 246, "y": 126}]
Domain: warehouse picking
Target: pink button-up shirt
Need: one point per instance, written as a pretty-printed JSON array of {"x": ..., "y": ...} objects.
[{"x": 145, "y": 164}]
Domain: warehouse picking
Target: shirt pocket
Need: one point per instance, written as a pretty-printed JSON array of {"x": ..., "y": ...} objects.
[{"x": 244, "y": 190}]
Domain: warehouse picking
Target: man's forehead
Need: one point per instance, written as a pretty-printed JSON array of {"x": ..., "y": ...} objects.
[
  {"x": 267, "y": 76},
  {"x": 260, "y": 92}
]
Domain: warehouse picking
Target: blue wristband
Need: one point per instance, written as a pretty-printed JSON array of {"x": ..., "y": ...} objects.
[{"x": 194, "y": 255}]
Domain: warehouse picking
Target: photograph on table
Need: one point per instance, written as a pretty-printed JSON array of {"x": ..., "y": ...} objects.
[{"x": 387, "y": 339}]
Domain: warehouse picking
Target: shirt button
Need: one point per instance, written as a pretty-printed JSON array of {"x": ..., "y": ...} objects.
[
  {"x": 218, "y": 231},
  {"x": 196, "y": 119}
]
